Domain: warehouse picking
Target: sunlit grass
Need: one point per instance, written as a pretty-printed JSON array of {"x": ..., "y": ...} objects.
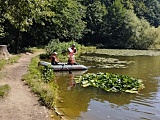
[
  {"x": 34, "y": 49},
  {"x": 11, "y": 60},
  {"x": 47, "y": 92},
  {"x": 4, "y": 90}
]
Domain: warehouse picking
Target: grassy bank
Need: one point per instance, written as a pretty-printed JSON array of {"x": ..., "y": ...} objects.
[{"x": 47, "y": 92}]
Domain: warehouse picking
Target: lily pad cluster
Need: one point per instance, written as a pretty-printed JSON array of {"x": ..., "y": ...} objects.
[
  {"x": 111, "y": 82},
  {"x": 103, "y": 62}
]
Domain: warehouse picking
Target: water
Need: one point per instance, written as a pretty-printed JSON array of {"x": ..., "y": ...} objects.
[{"x": 79, "y": 103}]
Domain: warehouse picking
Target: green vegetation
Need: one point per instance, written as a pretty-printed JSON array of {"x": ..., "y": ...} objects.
[
  {"x": 102, "y": 62},
  {"x": 11, "y": 60},
  {"x": 43, "y": 86},
  {"x": 111, "y": 82},
  {"x": 4, "y": 90},
  {"x": 62, "y": 49},
  {"x": 47, "y": 74},
  {"x": 102, "y": 23}
]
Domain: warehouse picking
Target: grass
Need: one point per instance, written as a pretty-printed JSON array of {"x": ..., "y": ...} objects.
[
  {"x": 47, "y": 92},
  {"x": 11, "y": 60},
  {"x": 4, "y": 90},
  {"x": 34, "y": 49},
  {"x": 15, "y": 58}
]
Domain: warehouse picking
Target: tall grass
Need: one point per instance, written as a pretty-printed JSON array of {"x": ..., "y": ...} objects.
[{"x": 46, "y": 91}]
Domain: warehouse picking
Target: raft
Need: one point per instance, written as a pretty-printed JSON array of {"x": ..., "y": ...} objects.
[{"x": 63, "y": 66}]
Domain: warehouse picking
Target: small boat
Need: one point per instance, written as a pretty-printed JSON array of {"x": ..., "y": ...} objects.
[{"x": 63, "y": 66}]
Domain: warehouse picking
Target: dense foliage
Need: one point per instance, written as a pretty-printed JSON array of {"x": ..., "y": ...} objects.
[
  {"x": 104, "y": 23},
  {"x": 111, "y": 82}
]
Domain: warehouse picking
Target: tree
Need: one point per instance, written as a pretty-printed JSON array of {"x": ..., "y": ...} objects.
[
  {"x": 2, "y": 33},
  {"x": 68, "y": 22},
  {"x": 113, "y": 27},
  {"x": 142, "y": 35},
  {"x": 94, "y": 18},
  {"x": 4, "y": 54},
  {"x": 153, "y": 12},
  {"x": 60, "y": 19},
  {"x": 19, "y": 14}
]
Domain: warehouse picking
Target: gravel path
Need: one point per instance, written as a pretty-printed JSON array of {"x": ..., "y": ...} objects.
[{"x": 20, "y": 103}]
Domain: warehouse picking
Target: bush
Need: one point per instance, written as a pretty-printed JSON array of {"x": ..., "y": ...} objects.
[{"x": 61, "y": 48}]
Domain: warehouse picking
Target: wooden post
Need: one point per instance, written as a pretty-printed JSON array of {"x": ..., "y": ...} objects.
[{"x": 4, "y": 54}]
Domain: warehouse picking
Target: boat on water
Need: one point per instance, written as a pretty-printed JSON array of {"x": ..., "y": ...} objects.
[{"x": 63, "y": 66}]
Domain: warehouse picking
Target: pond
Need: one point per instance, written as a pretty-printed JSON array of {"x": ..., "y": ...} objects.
[{"x": 78, "y": 103}]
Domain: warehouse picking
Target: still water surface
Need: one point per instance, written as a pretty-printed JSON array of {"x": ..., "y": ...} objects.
[{"x": 79, "y": 103}]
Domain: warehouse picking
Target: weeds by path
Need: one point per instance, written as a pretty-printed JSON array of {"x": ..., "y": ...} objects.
[
  {"x": 4, "y": 89},
  {"x": 11, "y": 60},
  {"x": 47, "y": 92}
]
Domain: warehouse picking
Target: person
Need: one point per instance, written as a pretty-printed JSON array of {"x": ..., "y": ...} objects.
[
  {"x": 54, "y": 59},
  {"x": 71, "y": 55},
  {"x": 73, "y": 47}
]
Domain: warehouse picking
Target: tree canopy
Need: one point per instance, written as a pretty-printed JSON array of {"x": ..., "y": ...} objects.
[{"x": 103, "y": 23}]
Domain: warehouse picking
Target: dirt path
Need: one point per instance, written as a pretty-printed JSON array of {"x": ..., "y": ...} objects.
[{"x": 20, "y": 103}]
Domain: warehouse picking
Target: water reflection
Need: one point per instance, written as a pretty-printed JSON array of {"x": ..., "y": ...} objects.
[{"x": 95, "y": 104}]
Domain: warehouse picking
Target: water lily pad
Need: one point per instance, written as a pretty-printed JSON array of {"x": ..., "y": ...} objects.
[
  {"x": 111, "y": 82},
  {"x": 107, "y": 62}
]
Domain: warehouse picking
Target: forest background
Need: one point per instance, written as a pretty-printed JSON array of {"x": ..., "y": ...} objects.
[{"x": 122, "y": 24}]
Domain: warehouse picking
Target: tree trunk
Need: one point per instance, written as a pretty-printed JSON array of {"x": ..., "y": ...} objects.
[{"x": 4, "y": 54}]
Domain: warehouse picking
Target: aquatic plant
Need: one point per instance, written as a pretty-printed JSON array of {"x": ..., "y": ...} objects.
[
  {"x": 111, "y": 82},
  {"x": 47, "y": 74},
  {"x": 103, "y": 62}
]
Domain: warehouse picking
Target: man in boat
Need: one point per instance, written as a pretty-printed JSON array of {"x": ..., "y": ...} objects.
[
  {"x": 71, "y": 55},
  {"x": 54, "y": 59},
  {"x": 73, "y": 47}
]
